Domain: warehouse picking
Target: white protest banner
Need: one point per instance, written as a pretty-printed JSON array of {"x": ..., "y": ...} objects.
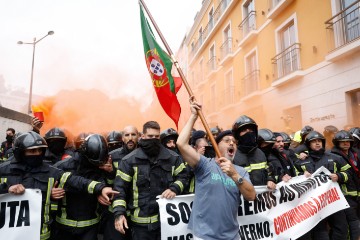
[
  {"x": 20, "y": 215},
  {"x": 287, "y": 213}
]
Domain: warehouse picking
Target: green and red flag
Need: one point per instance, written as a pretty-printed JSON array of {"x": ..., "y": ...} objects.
[{"x": 159, "y": 65}]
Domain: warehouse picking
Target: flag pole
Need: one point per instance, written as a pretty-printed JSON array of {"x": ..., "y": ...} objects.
[{"x": 186, "y": 84}]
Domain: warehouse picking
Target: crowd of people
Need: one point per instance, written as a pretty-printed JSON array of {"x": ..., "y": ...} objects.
[{"x": 105, "y": 187}]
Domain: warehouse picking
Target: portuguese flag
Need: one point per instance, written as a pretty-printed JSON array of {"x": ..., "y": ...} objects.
[{"x": 159, "y": 65}]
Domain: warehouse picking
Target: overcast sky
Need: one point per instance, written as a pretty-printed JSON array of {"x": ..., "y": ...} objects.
[{"x": 97, "y": 44}]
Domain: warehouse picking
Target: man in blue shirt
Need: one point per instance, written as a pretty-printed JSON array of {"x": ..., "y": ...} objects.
[{"x": 219, "y": 184}]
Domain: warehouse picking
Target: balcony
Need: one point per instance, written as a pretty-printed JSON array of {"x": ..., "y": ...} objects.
[
  {"x": 228, "y": 96},
  {"x": 219, "y": 11},
  {"x": 276, "y": 7},
  {"x": 287, "y": 62},
  {"x": 247, "y": 28},
  {"x": 343, "y": 32},
  {"x": 226, "y": 49},
  {"x": 211, "y": 65},
  {"x": 251, "y": 82}
]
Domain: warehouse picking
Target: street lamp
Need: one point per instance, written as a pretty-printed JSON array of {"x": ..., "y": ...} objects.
[{"x": 32, "y": 65}]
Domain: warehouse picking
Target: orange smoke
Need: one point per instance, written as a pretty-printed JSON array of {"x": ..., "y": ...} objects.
[{"x": 79, "y": 111}]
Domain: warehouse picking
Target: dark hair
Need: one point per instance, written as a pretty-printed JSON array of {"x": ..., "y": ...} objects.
[
  {"x": 151, "y": 124},
  {"x": 11, "y": 129}
]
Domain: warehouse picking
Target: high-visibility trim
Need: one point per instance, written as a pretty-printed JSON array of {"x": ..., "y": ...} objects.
[
  {"x": 123, "y": 176},
  {"x": 345, "y": 167},
  {"x": 135, "y": 188},
  {"x": 179, "y": 169},
  {"x": 73, "y": 223},
  {"x": 345, "y": 176},
  {"x": 303, "y": 167},
  {"x": 179, "y": 183},
  {"x": 143, "y": 220},
  {"x": 91, "y": 186},
  {"x": 54, "y": 206},
  {"x": 45, "y": 231},
  {"x": 116, "y": 165},
  {"x": 256, "y": 166},
  {"x": 248, "y": 168},
  {"x": 192, "y": 185},
  {"x": 44, "y": 236},
  {"x": 63, "y": 179},
  {"x": 335, "y": 167},
  {"x": 3, "y": 180},
  {"x": 348, "y": 193},
  {"x": 117, "y": 203},
  {"x": 110, "y": 181}
]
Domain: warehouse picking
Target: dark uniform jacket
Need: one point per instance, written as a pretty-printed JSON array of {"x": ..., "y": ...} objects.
[
  {"x": 43, "y": 178},
  {"x": 78, "y": 209},
  {"x": 281, "y": 163},
  {"x": 255, "y": 163},
  {"x": 352, "y": 187},
  {"x": 334, "y": 163},
  {"x": 140, "y": 180}
]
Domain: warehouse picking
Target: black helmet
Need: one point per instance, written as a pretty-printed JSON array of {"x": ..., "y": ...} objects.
[
  {"x": 95, "y": 149},
  {"x": 55, "y": 133},
  {"x": 167, "y": 134},
  {"x": 16, "y": 135},
  {"x": 286, "y": 137},
  {"x": 266, "y": 135},
  {"x": 114, "y": 137},
  {"x": 241, "y": 122},
  {"x": 29, "y": 140},
  {"x": 312, "y": 136},
  {"x": 329, "y": 130},
  {"x": 342, "y": 136},
  {"x": 305, "y": 130},
  {"x": 215, "y": 130},
  {"x": 80, "y": 139},
  {"x": 355, "y": 132}
]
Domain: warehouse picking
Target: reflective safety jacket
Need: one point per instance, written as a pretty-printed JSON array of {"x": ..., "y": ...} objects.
[
  {"x": 352, "y": 186},
  {"x": 139, "y": 181},
  {"x": 334, "y": 163},
  {"x": 281, "y": 163},
  {"x": 43, "y": 178},
  {"x": 78, "y": 209},
  {"x": 255, "y": 163}
]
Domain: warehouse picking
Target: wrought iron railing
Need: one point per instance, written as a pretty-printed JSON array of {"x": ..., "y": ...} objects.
[
  {"x": 344, "y": 27},
  {"x": 287, "y": 61},
  {"x": 247, "y": 25},
  {"x": 251, "y": 82},
  {"x": 226, "y": 48}
]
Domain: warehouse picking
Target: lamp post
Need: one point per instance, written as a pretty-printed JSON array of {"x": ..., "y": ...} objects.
[{"x": 32, "y": 65}]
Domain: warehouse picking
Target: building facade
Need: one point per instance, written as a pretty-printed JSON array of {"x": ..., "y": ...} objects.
[{"x": 285, "y": 63}]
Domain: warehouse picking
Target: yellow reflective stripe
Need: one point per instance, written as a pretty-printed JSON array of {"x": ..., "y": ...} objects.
[
  {"x": 91, "y": 187},
  {"x": 54, "y": 206},
  {"x": 303, "y": 167},
  {"x": 3, "y": 180},
  {"x": 345, "y": 176},
  {"x": 348, "y": 193},
  {"x": 248, "y": 168},
  {"x": 258, "y": 166},
  {"x": 63, "y": 179},
  {"x": 135, "y": 188},
  {"x": 179, "y": 183},
  {"x": 73, "y": 223},
  {"x": 45, "y": 228},
  {"x": 109, "y": 181},
  {"x": 45, "y": 236},
  {"x": 345, "y": 167},
  {"x": 116, "y": 165},
  {"x": 143, "y": 220},
  {"x": 335, "y": 167},
  {"x": 119, "y": 203},
  {"x": 179, "y": 169},
  {"x": 192, "y": 185},
  {"x": 123, "y": 176}
]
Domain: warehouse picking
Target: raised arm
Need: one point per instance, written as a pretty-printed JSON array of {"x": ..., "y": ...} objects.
[{"x": 188, "y": 153}]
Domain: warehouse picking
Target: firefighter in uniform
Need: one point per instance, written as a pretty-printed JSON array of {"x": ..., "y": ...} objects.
[
  {"x": 56, "y": 140},
  {"x": 77, "y": 216},
  {"x": 248, "y": 155},
  {"x": 343, "y": 142},
  {"x": 114, "y": 140},
  {"x": 27, "y": 170},
  {"x": 340, "y": 172},
  {"x": 145, "y": 173}
]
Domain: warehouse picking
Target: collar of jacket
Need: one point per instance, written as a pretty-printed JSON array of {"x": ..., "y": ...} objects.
[{"x": 164, "y": 154}]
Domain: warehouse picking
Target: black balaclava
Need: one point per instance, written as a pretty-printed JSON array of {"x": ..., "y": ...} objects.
[
  {"x": 151, "y": 147},
  {"x": 57, "y": 146},
  {"x": 247, "y": 142},
  {"x": 33, "y": 160}
]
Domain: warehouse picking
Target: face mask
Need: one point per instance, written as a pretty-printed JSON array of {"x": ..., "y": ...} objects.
[
  {"x": 9, "y": 138},
  {"x": 151, "y": 147},
  {"x": 247, "y": 142},
  {"x": 33, "y": 161},
  {"x": 56, "y": 147}
]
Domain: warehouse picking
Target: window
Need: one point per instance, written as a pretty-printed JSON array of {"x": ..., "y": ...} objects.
[
  {"x": 211, "y": 19},
  {"x": 201, "y": 70},
  {"x": 200, "y": 36},
  {"x": 226, "y": 47},
  {"x": 351, "y": 19},
  {"x": 213, "y": 98},
  {"x": 251, "y": 80},
  {"x": 229, "y": 97},
  {"x": 212, "y": 58}
]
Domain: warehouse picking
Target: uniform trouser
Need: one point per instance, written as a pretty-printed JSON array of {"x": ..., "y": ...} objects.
[
  {"x": 74, "y": 233},
  {"x": 110, "y": 233},
  {"x": 140, "y": 232},
  {"x": 338, "y": 225},
  {"x": 352, "y": 218}
]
